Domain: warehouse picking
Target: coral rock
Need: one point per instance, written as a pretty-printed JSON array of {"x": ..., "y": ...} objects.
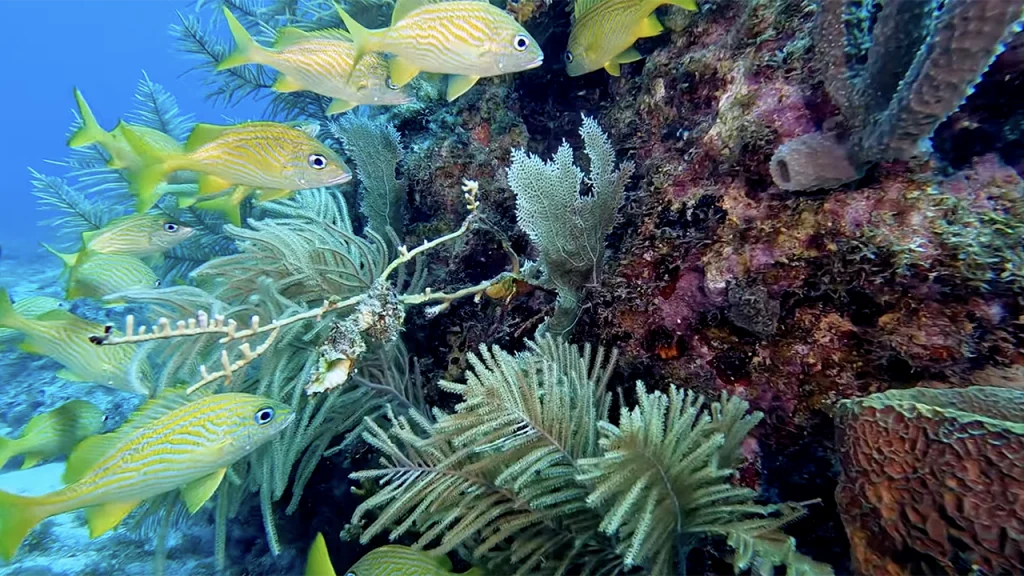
[{"x": 932, "y": 480}]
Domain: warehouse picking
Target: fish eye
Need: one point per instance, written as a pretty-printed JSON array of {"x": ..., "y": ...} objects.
[
  {"x": 171, "y": 227},
  {"x": 350, "y": 574},
  {"x": 521, "y": 42},
  {"x": 317, "y": 161},
  {"x": 391, "y": 85},
  {"x": 568, "y": 57},
  {"x": 264, "y": 415}
]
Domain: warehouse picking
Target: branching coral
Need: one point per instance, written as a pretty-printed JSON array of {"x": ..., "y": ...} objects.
[
  {"x": 568, "y": 228},
  {"x": 932, "y": 479},
  {"x": 529, "y": 472},
  {"x": 921, "y": 62}
]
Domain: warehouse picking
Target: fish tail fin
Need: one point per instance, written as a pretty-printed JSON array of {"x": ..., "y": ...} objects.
[
  {"x": 247, "y": 50},
  {"x": 156, "y": 166},
  {"x": 318, "y": 562},
  {"x": 362, "y": 38},
  {"x": 9, "y": 317},
  {"x": 90, "y": 132},
  {"x": 68, "y": 259},
  {"x": 18, "y": 515},
  {"x": 8, "y": 449}
]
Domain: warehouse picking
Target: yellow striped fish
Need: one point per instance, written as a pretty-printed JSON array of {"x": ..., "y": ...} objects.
[
  {"x": 463, "y": 38},
  {"x": 122, "y": 155},
  {"x": 64, "y": 337},
  {"x": 270, "y": 156},
  {"x": 97, "y": 276},
  {"x": 30, "y": 307},
  {"x": 604, "y": 31},
  {"x": 53, "y": 433},
  {"x": 137, "y": 235},
  {"x": 395, "y": 560},
  {"x": 169, "y": 444},
  {"x": 320, "y": 61}
]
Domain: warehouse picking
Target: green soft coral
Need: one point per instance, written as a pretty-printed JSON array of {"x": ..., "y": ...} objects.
[{"x": 530, "y": 472}]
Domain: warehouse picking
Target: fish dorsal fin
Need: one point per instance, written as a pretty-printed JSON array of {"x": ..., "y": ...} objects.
[
  {"x": 318, "y": 562},
  {"x": 197, "y": 492},
  {"x": 88, "y": 453},
  {"x": 202, "y": 134},
  {"x": 582, "y": 6},
  {"x": 289, "y": 36},
  {"x": 404, "y": 7}
]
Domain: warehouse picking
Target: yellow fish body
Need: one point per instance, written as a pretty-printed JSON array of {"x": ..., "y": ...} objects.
[
  {"x": 390, "y": 560},
  {"x": 64, "y": 337},
  {"x": 95, "y": 275},
  {"x": 465, "y": 39},
  {"x": 322, "y": 61},
  {"x": 53, "y": 433},
  {"x": 265, "y": 155},
  {"x": 136, "y": 235},
  {"x": 169, "y": 444},
  {"x": 604, "y": 31},
  {"x": 122, "y": 155},
  {"x": 30, "y": 307}
]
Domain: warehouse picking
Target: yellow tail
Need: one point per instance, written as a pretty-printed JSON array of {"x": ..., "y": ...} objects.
[
  {"x": 9, "y": 317},
  {"x": 247, "y": 51},
  {"x": 18, "y": 515},
  {"x": 90, "y": 132},
  {"x": 318, "y": 562},
  {"x": 156, "y": 166},
  {"x": 361, "y": 36},
  {"x": 68, "y": 259},
  {"x": 8, "y": 450}
]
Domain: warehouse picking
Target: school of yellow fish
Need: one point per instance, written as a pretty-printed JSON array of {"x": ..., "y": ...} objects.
[{"x": 174, "y": 442}]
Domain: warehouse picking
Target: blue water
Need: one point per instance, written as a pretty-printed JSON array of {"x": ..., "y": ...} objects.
[{"x": 100, "y": 46}]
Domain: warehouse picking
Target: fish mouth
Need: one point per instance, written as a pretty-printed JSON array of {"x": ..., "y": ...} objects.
[
  {"x": 535, "y": 63},
  {"x": 340, "y": 179}
]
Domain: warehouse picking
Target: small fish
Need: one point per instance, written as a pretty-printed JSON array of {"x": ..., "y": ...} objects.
[
  {"x": 463, "y": 38},
  {"x": 395, "y": 560},
  {"x": 320, "y": 61},
  {"x": 169, "y": 444},
  {"x": 30, "y": 307},
  {"x": 64, "y": 337},
  {"x": 98, "y": 276},
  {"x": 53, "y": 433},
  {"x": 136, "y": 235},
  {"x": 604, "y": 31},
  {"x": 265, "y": 155}
]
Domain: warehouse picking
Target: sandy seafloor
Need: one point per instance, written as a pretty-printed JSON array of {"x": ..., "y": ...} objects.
[{"x": 60, "y": 546}]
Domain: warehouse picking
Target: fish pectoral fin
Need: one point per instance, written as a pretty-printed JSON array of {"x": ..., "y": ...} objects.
[
  {"x": 29, "y": 348},
  {"x": 401, "y": 71},
  {"x": 106, "y": 516},
  {"x": 286, "y": 84},
  {"x": 338, "y": 106},
  {"x": 649, "y": 26},
  {"x": 613, "y": 68},
  {"x": 70, "y": 376},
  {"x": 197, "y": 492},
  {"x": 210, "y": 184},
  {"x": 458, "y": 85},
  {"x": 630, "y": 54}
]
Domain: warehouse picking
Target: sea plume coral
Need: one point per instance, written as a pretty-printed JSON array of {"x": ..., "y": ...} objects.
[
  {"x": 530, "y": 472},
  {"x": 931, "y": 480}
]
